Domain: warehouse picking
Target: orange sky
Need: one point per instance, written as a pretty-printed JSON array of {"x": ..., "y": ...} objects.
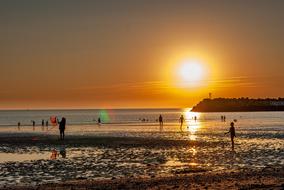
[{"x": 119, "y": 54}]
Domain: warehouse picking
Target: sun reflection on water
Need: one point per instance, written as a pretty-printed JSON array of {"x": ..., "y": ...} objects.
[{"x": 192, "y": 123}]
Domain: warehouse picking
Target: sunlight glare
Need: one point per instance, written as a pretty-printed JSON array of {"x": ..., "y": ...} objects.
[
  {"x": 191, "y": 71},
  {"x": 192, "y": 125}
]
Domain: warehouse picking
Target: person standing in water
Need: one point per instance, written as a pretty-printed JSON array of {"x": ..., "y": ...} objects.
[
  {"x": 42, "y": 124},
  {"x": 161, "y": 122},
  {"x": 181, "y": 120},
  {"x": 46, "y": 124},
  {"x": 19, "y": 126},
  {"x": 62, "y": 124},
  {"x": 33, "y": 124},
  {"x": 232, "y": 132},
  {"x": 99, "y": 121}
]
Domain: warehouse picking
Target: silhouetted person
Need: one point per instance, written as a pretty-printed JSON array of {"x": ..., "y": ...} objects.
[
  {"x": 181, "y": 120},
  {"x": 62, "y": 124},
  {"x": 99, "y": 121},
  {"x": 161, "y": 122},
  {"x": 42, "y": 124},
  {"x": 33, "y": 124},
  {"x": 232, "y": 133},
  {"x": 195, "y": 118},
  {"x": 19, "y": 126},
  {"x": 224, "y": 118}
]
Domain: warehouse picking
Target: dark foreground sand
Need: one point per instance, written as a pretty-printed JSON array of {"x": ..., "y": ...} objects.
[
  {"x": 269, "y": 177},
  {"x": 265, "y": 179}
]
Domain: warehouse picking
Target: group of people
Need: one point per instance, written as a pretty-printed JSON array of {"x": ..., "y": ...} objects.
[
  {"x": 61, "y": 125},
  {"x": 161, "y": 122},
  {"x": 43, "y": 123},
  {"x": 55, "y": 153},
  {"x": 223, "y": 118},
  {"x": 232, "y": 130},
  {"x": 181, "y": 121}
]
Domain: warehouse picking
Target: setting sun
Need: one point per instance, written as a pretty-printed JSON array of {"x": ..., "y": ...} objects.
[{"x": 191, "y": 71}]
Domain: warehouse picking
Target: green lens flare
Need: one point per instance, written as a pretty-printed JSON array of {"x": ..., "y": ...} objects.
[{"x": 104, "y": 116}]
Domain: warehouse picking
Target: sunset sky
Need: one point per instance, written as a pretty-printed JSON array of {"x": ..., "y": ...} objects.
[{"x": 137, "y": 53}]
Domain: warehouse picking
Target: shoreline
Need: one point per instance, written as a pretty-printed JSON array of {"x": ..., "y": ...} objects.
[{"x": 95, "y": 141}]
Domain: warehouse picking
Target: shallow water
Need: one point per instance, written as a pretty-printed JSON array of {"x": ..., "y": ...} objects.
[{"x": 259, "y": 144}]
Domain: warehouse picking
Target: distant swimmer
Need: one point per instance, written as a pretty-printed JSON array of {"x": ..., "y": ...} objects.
[
  {"x": 19, "y": 126},
  {"x": 161, "y": 122},
  {"x": 232, "y": 133},
  {"x": 62, "y": 124},
  {"x": 181, "y": 120}
]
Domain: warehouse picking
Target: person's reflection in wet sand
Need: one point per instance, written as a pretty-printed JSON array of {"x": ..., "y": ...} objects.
[
  {"x": 62, "y": 152},
  {"x": 54, "y": 154}
]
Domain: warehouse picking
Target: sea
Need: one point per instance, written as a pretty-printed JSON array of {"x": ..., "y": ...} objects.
[{"x": 143, "y": 120}]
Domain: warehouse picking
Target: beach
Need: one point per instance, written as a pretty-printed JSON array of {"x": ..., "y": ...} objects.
[
  {"x": 137, "y": 155},
  {"x": 134, "y": 162}
]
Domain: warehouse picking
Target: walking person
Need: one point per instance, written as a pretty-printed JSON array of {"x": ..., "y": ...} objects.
[
  {"x": 181, "y": 120},
  {"x": 62, "y": 124},
  {"x": 232, "y": 132},
  {"x": 161, "y": 122}
]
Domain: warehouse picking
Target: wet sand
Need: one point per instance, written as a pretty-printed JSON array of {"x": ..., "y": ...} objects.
[
  {"x": 140, "y": 162},
  {"x": 80, "y": 140},
  {"x": 268, "y": 178}
]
